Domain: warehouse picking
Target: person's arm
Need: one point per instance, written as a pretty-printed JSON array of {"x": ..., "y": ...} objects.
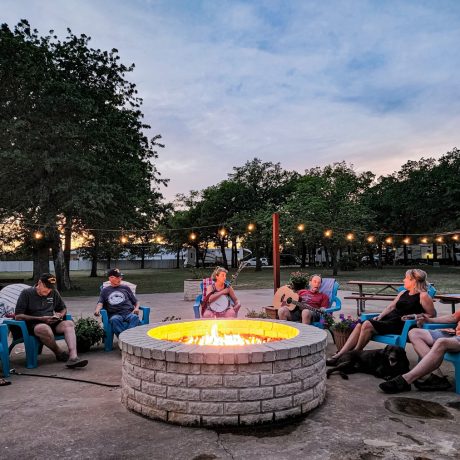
[
  {"x": 389, "y": 308},
  {"x": 324, "y": 301},
  {"x": 133, "y": 300},
  {"x": 425, "y": 318},
  {"x": 427, "y": 304},
  {"x": 213, "y": 297},
  {"x": 100, "y": 304}
]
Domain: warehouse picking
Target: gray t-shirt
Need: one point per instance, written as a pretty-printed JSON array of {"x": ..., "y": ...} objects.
[
  {"x": 117, "y": 300},
  {"x": 32, "y": 304}
]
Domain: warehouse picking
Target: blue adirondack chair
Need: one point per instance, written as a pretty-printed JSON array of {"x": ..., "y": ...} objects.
[
  {"x": 107, "y": 325},
  {"x": 4, "y": 352},
  {"x": 32, "y": 344},
  {"x": 399, "y": 340},
  {"x": 453, "y": 358}
]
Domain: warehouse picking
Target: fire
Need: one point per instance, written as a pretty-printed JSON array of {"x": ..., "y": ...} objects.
[{"x": 218, "y": 338}]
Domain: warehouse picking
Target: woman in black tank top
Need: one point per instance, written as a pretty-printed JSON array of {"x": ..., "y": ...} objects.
[{"x": 414, "y": 299}]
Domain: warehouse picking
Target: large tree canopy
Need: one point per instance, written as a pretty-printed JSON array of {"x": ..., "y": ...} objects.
[{"x": 73, "y": 147}]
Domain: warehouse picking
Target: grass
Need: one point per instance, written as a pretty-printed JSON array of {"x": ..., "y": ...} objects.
[{"x": 446, "y": 279}]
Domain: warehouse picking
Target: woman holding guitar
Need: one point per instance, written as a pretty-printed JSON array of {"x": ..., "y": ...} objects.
[{"x": 220, "y": 300}]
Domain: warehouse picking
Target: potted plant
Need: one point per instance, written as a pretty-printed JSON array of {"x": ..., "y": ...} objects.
[
  {"x": 88, "y": 332},
  {"x": 340, "y": 329},
  {"x": 298, "y": 280}
]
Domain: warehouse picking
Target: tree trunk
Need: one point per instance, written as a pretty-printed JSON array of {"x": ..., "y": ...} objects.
[
  {"x": 435, "y": 251},
  {"x": 234, "y": 253},
  {"x": 405, "y": 253},
  {"x": 178, "y": 257},
  {"x": 142, "y": 258},
  {"x": 304, "y": 255},
  {"x": 94, "y": 257},
  {"x": 224, "y": 254},
  {"x": 67, "y": 244},
  {"x": 62, "y": 278},
  {"x": 41, "y": 261},
  {"x": 326, "y": 256},
  {"x": 335, "y": 262}
]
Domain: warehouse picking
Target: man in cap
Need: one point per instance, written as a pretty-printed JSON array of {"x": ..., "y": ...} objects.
[
  {"x": 120, "y": 302},
  {"x": 43, "y": 310}
]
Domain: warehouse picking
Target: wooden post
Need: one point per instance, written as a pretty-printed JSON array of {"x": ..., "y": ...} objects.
[{"x": 276, "y": 252}]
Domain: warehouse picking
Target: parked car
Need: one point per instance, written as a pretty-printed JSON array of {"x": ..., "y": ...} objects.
[
  {"x": 252, "y": 262},
  {"x": 289, "y": 259},
  {"x": 366, "y": 259}
]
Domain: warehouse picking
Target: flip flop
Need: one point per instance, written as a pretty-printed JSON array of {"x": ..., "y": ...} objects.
[{"x": 4, "y": 383}]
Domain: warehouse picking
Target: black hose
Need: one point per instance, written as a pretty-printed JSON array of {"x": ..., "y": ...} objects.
[{"x": 15, "y": 372}]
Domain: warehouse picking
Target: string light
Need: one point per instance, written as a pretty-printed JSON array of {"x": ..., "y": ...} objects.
[
  {"x": 251, "y": 227},
  {"x": 124, "y": 239},
  {"x": 38, "y": 235},
  {"x": 424, "y": 240},
  {"x": 350, "y": 237},
  {"x": 389, "y": 240},
  {"x": 455, "y": 237},
  {"x": 371, "y": 239},
  {"x": 328, "y": 233},
  {"x": 192, "y": 236},
  {"x": 439, "y": 239},
  {"x": 222, "y": 232},
  {"x": 406, "y": 240},
  {"x": 301, "y": 227},
  {"x": 159, "y": 239}
]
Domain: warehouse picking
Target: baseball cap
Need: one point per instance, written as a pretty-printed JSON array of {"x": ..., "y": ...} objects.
[
  {"x": 48, "y": 280},
  {"x": 115, "y": 272}
]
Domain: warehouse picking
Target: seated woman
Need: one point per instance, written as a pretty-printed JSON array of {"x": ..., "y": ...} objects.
[
  {"x": 220, "y": 301},
  {"x": 414, "y": 300}
]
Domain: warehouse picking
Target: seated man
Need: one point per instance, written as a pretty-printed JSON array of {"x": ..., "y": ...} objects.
[
  {"x": 430, "y": 346},
  {"x": 311, "y": 297},
  {"x": 120, "y": 302},
  {"x": 43, "y": 310}
]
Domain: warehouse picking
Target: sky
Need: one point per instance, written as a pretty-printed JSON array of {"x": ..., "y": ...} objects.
[{"x": 303, "y": 83}]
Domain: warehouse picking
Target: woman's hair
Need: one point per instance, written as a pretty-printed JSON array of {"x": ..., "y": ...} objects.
[
  {"x": 420, "y": 278},
  {"x": 217, "y": 271}
]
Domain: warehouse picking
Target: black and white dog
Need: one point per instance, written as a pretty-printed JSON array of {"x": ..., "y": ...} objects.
[{"x": 386, "y": 363}]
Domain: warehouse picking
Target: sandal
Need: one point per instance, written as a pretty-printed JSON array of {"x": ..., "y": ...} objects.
[{"x": 4, "y": 383}]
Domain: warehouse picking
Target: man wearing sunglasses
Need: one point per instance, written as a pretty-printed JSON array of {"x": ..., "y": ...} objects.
[{"x": 43, "y": 310}]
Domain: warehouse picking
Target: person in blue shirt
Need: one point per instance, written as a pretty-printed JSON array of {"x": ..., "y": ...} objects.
[{"x": 120, "y": 302}]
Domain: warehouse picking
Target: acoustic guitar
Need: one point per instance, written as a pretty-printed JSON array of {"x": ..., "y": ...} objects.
[{"x": 286, "y": 297}]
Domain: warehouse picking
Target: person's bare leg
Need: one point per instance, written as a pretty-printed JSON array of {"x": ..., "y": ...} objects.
[
  {"x": 306, "y": 316},
  {"x": 366, "y": 334},
  {"x": 433, "y": 359},
  {"x": 45, "y": 334},
  {"x": 421, "y": 340},
  {"x": 68, "y": 329},
  {"x": 351, "y": 341},
  {"x": 284, "y": 314}
]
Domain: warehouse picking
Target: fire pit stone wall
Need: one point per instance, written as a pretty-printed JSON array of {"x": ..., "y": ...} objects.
[{"x": 236, "y": 385}]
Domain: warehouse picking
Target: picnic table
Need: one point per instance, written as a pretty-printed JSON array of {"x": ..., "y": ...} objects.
[
  {"x": 361, "y": 297},
  {"x": 453, "y": 299}
]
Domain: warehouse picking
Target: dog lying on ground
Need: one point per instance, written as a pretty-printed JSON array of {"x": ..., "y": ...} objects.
[{"x": 386, "y": 363}]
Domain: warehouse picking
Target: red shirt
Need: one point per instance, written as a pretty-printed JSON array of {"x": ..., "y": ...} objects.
[{"x": 314, "y": 299}]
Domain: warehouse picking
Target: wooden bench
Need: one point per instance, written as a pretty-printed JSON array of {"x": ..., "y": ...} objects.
[{"x": 361, "y": 300}]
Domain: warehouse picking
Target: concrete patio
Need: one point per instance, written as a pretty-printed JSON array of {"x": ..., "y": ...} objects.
[{"x": 45, "y": 417}]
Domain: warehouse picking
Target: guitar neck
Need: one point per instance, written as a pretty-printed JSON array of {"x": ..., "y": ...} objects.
[{"x": 305, "y": 306}]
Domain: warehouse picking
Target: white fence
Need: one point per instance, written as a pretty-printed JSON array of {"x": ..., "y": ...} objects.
[{"x": 85, "y": 265}]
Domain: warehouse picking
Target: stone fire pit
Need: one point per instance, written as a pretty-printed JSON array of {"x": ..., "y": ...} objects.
[{"x": 223, "y": 385}]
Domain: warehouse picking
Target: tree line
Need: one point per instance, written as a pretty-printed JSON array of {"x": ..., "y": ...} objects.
[{"x": 75, "y": 160}]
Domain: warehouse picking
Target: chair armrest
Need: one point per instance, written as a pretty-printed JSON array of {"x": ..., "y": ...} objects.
[
  {"x": 18, "y": 323},
  {"x": 145, "y": 314},
  {"x": 408, "y": 324},
  {"x": 366, "y": 316},
  {"x": 336, "y": 305},
  {"x": 439, "y": 326}
]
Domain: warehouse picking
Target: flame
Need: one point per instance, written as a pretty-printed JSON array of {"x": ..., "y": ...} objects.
[{"x": 217, "y": 338}]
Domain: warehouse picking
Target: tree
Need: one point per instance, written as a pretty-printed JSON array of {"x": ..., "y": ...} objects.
[{"x": 74, "y": 146}]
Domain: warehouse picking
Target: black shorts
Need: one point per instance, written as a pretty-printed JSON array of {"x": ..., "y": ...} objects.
[
  {"x": 296, "y": 315},
  {"x": 31, "y": 326}
]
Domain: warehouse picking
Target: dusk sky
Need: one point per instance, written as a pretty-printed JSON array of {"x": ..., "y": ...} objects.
[{"x": 304, "y": 83}]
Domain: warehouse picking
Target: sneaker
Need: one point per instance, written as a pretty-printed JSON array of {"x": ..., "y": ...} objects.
[
  {"x": 76, "y": 362},
  {"x": 395, "y": 385},
  {"x": 433, "y": 383},
  {"x": 63, "y": 356}
]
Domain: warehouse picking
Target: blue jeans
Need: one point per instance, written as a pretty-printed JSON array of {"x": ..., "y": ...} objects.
[{"x": 121, "y": 322}]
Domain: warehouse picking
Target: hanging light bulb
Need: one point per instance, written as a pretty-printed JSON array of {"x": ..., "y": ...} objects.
[
  {"x": 301, "y": 227},
  {"x": 159, "y": 239},
  {"x": 123, "y": 239},
  {"x": 328, "y": 233},
  {"x": 251, "y": 227},
  {"x": 192, "y": 236},
  {"x": 371, "y": 239},
  {"x": 456, "y": 238},
  {"x": 406, "y": 240},
  {"x": 222, "y": 232},
  {"x": 350, "y": 237},
  {"x": 38, "y": 235},
  {"x": 439, "y": 239},
  {"x": 389, "y": 240},
  {"x": 424, "y": 240}
]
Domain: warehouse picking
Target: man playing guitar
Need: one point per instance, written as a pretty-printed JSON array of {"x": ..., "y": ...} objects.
[
  {"x": 220, "y": 300},
  {"x": 311, "y": 297}
]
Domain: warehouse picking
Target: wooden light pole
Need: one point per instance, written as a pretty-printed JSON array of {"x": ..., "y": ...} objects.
[{"x": 276, "y": 251}]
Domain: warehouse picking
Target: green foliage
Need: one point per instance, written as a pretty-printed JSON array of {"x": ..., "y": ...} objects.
[
  {"x": 348, "y": 263},
  {"x": 299, "y": 280},
  {"x": 88, "y": 332}
]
